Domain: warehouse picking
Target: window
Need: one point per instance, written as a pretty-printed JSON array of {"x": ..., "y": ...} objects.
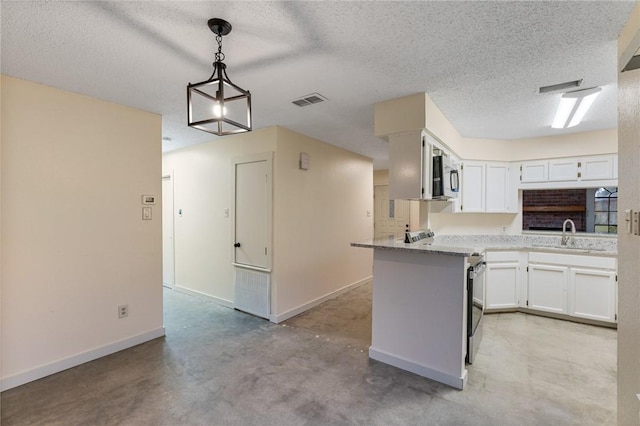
[{"x": 606, "y": 211}]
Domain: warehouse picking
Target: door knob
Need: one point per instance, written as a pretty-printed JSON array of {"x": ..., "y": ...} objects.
[{"x": 236, "y": 245}]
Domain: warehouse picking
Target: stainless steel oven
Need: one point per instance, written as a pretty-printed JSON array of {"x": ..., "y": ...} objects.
[{"x": 475, "y": 305}]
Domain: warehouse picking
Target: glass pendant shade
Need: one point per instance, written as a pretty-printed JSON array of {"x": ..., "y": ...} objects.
[{"x": 217, "y": 105}]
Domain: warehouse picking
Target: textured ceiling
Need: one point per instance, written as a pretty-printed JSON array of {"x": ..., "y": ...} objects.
[{"x": 481, "y": 62}]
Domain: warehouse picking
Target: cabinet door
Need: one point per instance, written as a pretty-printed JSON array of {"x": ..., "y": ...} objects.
[
  {"x": 497, "y": 185},
  {"x": 405, "y": 170},
  {"x": 563, "y": 169},
  {"x": 547, "y": 288},
  {"x": 427, "y": 169},
  {"x": 592, "y": 294},
  {"x": 473, "y": 187},
  {"x": 598, "y": 167},
  {"x": 501, "y": 285},
  {"x": 534, "y": 171}
]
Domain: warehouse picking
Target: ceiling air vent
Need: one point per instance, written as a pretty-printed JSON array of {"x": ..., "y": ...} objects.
[
  {"x": 560, "y": 86},
  {"x": 311, "y": 99}
]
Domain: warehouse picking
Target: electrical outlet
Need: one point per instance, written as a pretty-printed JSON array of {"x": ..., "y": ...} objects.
[{"x": 123, "y": 311}]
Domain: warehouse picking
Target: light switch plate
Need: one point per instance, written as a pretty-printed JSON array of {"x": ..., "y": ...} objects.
[
  {"x": 146, "y": 213},
  {"x": 304, "y": 161}
]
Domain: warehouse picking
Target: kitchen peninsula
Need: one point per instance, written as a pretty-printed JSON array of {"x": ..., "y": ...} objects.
[
  {"x": 419, "y": 319},
  {"x": 419, "y": 294}
]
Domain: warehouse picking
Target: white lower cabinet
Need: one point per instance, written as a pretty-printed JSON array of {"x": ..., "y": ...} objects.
[
  {"x": 502, "y": 280},
  {"x": 548, "y": 288},
  {"x": 572, "y": 285},
  {"x": 580, "y": 286},
  {"x": 592, "y": 293}
]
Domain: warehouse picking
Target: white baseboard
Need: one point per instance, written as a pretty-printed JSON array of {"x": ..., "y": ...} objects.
[
  {"x": 421, "y": 370},
  {"x": 218, "y": 300},
  {"x": 300, "y": 309},
  {"x": 75, "y": 360}
]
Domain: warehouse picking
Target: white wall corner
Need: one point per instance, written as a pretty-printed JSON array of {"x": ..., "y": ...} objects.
[{"x": 278, "y": 318}]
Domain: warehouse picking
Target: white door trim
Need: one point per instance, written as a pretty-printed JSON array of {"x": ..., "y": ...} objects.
[
  {"x": 169, "y": 177},
  {"x": 268, "y": 157}
]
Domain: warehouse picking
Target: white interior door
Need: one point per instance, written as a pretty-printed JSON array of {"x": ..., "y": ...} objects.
[
  {"x": 168, "y": 255},
  {"x": 252, "y": 214},
  {"x": 390, "y": 217}
]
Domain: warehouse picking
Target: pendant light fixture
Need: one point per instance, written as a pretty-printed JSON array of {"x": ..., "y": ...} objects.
[{"x": 217, "y": 105}]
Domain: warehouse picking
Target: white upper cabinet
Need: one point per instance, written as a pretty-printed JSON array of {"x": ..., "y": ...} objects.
[
  {"x": 408, "y": 172},
  {"x": 411, "y": 165},
  {"x": 497, "y": 187},
  {"x": 598, "y": 167},
  {"x": 535, "y": 171},
  {"x": 473, "y": 187},
  {"x": 487, "y": 188},
  {"x": 571, "y": 172},
  {"x": 563, "y": 169}
]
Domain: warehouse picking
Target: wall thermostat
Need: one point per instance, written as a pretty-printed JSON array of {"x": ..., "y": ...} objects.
[{"x": 148, "y": 199}]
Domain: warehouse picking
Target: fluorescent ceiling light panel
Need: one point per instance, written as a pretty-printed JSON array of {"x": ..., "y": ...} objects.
[
  {"x": 564, "y": 111},
  {"x": 573, "y": 107}
]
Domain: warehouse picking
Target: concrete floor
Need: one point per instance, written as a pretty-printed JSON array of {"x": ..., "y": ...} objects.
[{"x": 217, "y": 366}]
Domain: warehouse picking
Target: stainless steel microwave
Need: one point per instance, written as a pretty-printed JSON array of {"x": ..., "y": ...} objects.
[{"x": 446, "y": 179}]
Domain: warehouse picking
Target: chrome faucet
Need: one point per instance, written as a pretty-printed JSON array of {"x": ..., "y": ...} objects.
[{"x": 565, "y": 237}]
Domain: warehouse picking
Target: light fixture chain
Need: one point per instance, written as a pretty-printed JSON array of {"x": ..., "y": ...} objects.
[{"x": 219, "y": 54}]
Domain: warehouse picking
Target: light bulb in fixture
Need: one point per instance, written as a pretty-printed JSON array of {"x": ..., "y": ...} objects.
[{"x": 219, "y": 112}]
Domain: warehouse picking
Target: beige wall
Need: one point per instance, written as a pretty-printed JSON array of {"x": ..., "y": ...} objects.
[
  {"x": 629, "y": 245},
  {"x": 74, "y": 245},
  {"x": 203, "y": 189},
  {"x": 569, "y": 145},
  {"x": 414, "y": 113},
  {"x": 317, "y": 214},
  {"x": 475, "y": 223},
  {"x": 439, "y": 125},
  {"x": 381, "y": 177},
  {"x": 400, "y": 115}
]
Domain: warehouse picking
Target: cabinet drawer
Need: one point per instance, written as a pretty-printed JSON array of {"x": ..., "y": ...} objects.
[
  {"x": 501, "y": 256},
  {"x": 573, "y": 260}
]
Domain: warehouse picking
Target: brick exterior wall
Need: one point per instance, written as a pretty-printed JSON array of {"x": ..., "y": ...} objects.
[{"x": 553, "y": 220}]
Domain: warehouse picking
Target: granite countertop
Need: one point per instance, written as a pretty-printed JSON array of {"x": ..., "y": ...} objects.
[
  {"x": 468, "y": 245},
  {"x": 420, "y": 246}
]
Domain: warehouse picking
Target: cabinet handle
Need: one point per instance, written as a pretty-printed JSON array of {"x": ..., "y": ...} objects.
[{"x": 236, "y": 245}]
